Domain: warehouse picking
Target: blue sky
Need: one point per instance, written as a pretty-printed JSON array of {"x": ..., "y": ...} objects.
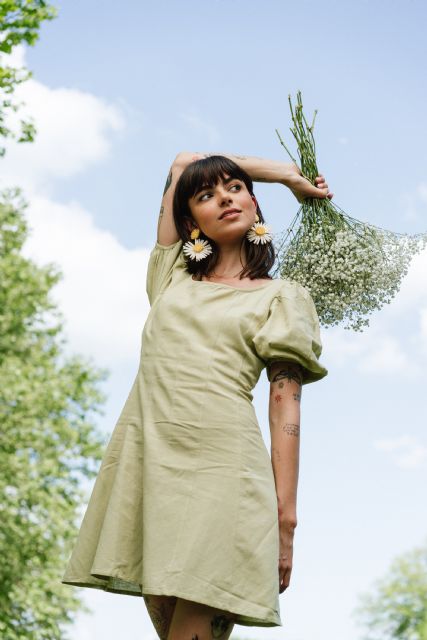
[{"x": 116, "y": 94}]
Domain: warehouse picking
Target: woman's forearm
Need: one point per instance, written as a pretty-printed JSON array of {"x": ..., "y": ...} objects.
[
  {"x": 284, "y": 418},
  {"x": 259, "y": 169}
]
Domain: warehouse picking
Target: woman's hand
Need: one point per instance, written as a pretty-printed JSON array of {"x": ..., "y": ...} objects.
[
  {"x": 302, "y": 188},
  {"x": 286, "y": 537}
]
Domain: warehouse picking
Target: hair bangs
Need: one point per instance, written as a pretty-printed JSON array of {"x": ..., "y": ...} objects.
[{"x": 207, "y": 172}]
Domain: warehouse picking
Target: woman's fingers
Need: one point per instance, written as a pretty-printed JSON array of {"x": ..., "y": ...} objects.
[
  {"x": 284, "y": 578},
  {"x": 303, "y": 188},
  {"x": 321, "y": 183}
]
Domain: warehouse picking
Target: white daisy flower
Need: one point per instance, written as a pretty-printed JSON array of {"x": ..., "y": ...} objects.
[
  {"x": 197, "y": 250},
  {"x": 259, "y": 232}
]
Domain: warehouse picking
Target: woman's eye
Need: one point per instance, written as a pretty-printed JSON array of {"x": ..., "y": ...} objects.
[{"x": 239, "y": 186}]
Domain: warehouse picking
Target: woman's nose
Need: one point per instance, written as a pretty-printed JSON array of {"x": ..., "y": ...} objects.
[{"x": 224, "y": 196}]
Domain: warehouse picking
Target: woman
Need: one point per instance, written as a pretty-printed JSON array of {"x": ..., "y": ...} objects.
[{"x": 188, "y": 510}]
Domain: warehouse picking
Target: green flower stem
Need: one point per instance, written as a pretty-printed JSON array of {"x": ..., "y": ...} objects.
[{"x": 351, "y": 268}]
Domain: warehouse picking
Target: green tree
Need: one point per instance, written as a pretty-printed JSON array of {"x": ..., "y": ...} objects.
[
  {"x": 398, "y": 607},
  {"x": 19, "y": 22},
  {"x": 48, "y": 440}
]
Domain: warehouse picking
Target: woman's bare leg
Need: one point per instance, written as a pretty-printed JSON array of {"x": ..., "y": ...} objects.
[
  {"x": 160, "y": 609},
  {"x": 195, "y": 621}
]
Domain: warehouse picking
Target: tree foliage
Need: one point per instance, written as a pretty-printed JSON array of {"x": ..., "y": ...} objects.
[
  {"x": 398, "y": 607},
  {"x": 48, "y": 440},
  {"x": 19, "y": 23}
]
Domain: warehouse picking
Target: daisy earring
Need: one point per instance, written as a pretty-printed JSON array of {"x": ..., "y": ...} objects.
[
  {"x": 199, "y": 249},
  {"x": 259, "y": 232}
]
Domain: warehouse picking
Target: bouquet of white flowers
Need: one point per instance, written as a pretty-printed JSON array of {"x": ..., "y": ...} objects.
[{"x": 351, "y": 268}]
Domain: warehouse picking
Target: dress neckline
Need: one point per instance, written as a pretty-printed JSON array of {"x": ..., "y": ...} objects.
[{"x": 229, "y": 286}]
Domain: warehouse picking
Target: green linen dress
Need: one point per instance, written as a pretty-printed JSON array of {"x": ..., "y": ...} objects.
[{"x": 184, "y": 503}]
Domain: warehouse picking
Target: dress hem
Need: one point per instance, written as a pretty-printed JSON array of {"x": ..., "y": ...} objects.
[{"x": 244, "y": 620}]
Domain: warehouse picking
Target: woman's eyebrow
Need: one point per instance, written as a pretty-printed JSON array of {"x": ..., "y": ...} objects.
[{"x": 206, "y": 186}]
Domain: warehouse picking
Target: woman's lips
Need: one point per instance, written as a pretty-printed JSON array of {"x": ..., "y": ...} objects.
[{"x": 232, "y": 214}]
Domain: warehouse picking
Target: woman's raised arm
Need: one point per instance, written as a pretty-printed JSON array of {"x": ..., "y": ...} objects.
[
  {"x": 166, "y": 230},
  {"x": 259, "y": 169}
]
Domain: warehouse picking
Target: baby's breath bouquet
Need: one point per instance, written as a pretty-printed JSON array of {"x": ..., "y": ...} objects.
[{"x": 351, "y": 268}]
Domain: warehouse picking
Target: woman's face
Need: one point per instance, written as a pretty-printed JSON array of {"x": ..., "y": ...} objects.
[{"x": 209, "y": 204}]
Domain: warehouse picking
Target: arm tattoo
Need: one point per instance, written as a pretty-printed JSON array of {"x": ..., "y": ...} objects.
[
  {"x": 220, "y": 624},
  {"x": 290, "y": 372},
  {"x": 291, "y": 429},
  {"x": 276, "y": 454},
  {"x": 168, "y": 182},
  {"x": 160, "y": 217}
]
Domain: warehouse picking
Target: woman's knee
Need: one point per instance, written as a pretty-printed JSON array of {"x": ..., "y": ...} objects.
[
  {"x": 196, "y": 621},
  {"x": 160, "y": 609}
]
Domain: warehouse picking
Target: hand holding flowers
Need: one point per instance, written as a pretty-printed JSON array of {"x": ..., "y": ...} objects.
[
  {"x": 302, "y": 188},
  {"x": 351, "y": 268}
]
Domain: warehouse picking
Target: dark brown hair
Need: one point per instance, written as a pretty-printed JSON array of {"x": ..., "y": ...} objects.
[{"x": 207, "y": 172}]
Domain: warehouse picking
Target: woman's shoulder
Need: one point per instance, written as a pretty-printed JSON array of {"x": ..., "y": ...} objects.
[{"x": 290, "y": 288}]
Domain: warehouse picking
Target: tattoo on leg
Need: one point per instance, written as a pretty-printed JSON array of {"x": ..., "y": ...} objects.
[
  {"x": 160, "y": 616},
  {"x": 297, "y": 396},
  {"x": 291, "y": 429},
  {"x": 220, "y": 624},
  {"x": 278, "y": 398},
  {"x": 168, "y": 182}
]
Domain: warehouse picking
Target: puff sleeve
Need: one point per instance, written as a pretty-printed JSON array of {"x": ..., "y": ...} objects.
[
  {"x": 291, "y": 332},
  {"x": 163, "y": 260}
]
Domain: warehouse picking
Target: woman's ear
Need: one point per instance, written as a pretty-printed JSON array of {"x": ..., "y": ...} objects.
[{"x": 189, "y": 225}]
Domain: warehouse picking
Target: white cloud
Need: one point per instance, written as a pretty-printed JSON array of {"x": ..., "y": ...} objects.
[
  {"x": 374, "y": 351},
  {"x": 413, "y": 290},
  {"x": 423, "y": 323},
  {"x": 396, "y": 339},
  {"x": 73, "y": 133},
  {"x": 102, "y": 294},
  {"x": 422, "y": 191},
  {"x": 202, "y": 126},
  {"x": 387, "y": 356},
  {"x": 413, "y": 203},
  {"x": 406, "y": 451}
]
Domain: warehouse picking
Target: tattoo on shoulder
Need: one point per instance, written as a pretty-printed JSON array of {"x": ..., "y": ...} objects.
[
  {"x": 291, "y": 371},
  {"x": 291, "y": 429},
  {"x": 168, "y": 182}
]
